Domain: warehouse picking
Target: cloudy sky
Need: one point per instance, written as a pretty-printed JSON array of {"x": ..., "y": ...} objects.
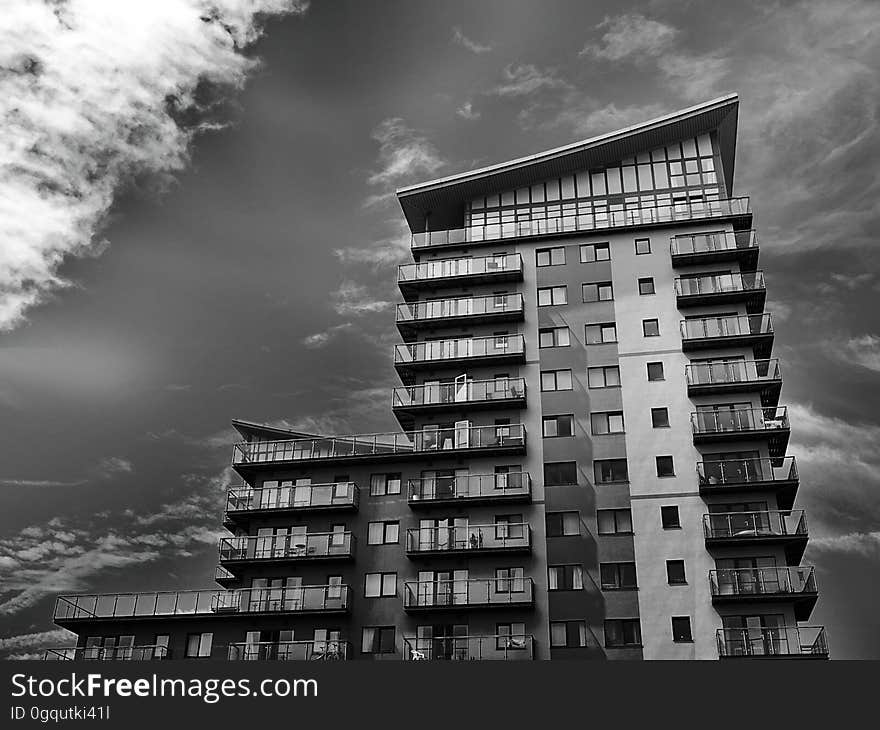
[{"x": 197, "y": 223}]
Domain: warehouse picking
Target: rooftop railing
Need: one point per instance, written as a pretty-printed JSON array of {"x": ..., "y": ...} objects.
[
  {"x": 439, "y": 309},
  {"x": 295, "y": 546},
  {"x": 459, "y": 349},
  {"x": 749, "y": 582},
  {"x": 749, "y": 525},
  {"x": 501, "y": 647},
  {"x": 640, "y": 216},
  {"x": 307, "y": 496},
  {"x": 289, "y": 651},
  {"x": 700, "y": 284},
  {"x": 737, "y": 472},
  {"x": 453, "y": 268},
  {"x": 706, "y": 328},
  {"x": 466, "y": 391},
  {"x": 470, "y": 487},
  {"x": 473, "y": 592},
  {"x": 726, "y": 420},
  {"x": 469, "y": 538},
  {"x": 688, "y": 244},
  {"x": 103, "y": 654},
  {"x": 784, "y": 641},
  {"x": 723, "y": 372}
]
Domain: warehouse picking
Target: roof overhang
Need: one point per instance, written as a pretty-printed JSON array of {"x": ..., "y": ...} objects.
[
  {"x": 439, "y": 204},
  {"x": 251, "y": 428}
]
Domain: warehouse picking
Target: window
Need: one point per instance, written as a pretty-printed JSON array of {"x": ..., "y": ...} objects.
[
  {"x": 598, "y": 292},
  {"x": 510, "y": 637},
  {"x": 617, "y": 576},
  {"x": 665, "y": 467},
  {"x": 675, "y": 572},
  {"x": 620, "y": 632},
  {"x": 646, "y": 285},
  {"x": 380, "y": 585},
  {"x": 382, "y": 484},
  {"x": 553, "y": 337},
  {"x": 560, "y": 473},
  {"x": 383, "y": 533},
  {"x": 161, "y": 644},
  {"x": 614, "y": 521},
  {"x": 603, "y": 377},
  {"x": 550, "y": 256},
  {"x": 598, "y": 334},
  {"x": 643, "y": 246},
  {"x": 549, "y": 295},
  {"x": 651, "y": 327},
  {"x": 607, "y": 422},
  {"x": 378, "y": 640},
  {"x": 568, "y": 634},
  {"x": 563, "y": 523},
  {"x": 555, "y": 380},
  {"x": 681, "y": 629},
  {"x": 669, "y": 517},
  {"x": 558, "y": 426},
  {"x": 509, "y": 580},
  {"x": 655, "y": 371},
  {"x": 565, "y": 578},
  {"x": 660, "y": 417},
  {"x": 591, "y": 252},
  {"x": 199, "y": 645},
  {"x": 608, "y": 471}
]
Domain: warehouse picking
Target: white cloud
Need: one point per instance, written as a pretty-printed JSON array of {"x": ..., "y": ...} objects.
[
  {"x": 90, "y": 97},
  {"x": 403, "y": 155},
  {"x": 466, "y": 111},
  {"x": 865, "y": 544},
  {"x": 630, "y": 35},
  {"x": 526, "y": 79},
  {"x": 112, "y": 465},
  {"x": 352, "y": 298},
  {"x": 864, "y": 351},
  {"x": 55, "y": 637},
  {"x": 473, "y": 46},
  {"x": 321, "y": 339}
]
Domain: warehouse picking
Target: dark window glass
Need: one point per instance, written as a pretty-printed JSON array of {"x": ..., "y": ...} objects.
[
  {"x": 646, "y": 285},
  {"x": 659, "y": 417},
  {"x": 669, "y": 517},
  {"x": 560, "y": 473},
  {"x": 665, "y": 467},
  {"x": 675, "y": 572},
  {"x": 681, "y": 628},
  {"x": 655, "y": 371},
  {"x": 651, "y": 327},
  {"x": 610, "y": 470}
]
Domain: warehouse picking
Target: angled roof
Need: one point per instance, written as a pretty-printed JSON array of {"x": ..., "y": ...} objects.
[
  {"x": 444, "y": 198},
  {"x": 250, "y": 428}
]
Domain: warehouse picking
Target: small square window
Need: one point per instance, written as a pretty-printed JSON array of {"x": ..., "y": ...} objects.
[
  {"x": 660, "y": 417},
  {"x": 555, "y": 426},
  {"x": 643, "y": 246},
  {"x": 675, "y": 572},
  {"x": 665, "y": 467},
  {"x": 651, "y": 327},
  {"x": 591, "y": 252},
  {"x": 655, "y": 371},
  {"x": 669, "y": 517},
  {"x": 681, "y": 629},
  {"x": 646, "y": 285},
  {"x": 550, "y": 256},
  {"x": 599, "y": 334}
]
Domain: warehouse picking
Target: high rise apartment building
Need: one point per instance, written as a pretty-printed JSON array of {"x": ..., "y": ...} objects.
[{"x": 592, "y": 462}]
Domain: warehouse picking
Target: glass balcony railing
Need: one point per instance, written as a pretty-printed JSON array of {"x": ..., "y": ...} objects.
[
  {"x": 222, "y": 575},
  {"x": 730, "y": 372},
  {"x": 475, "y": 487},
  {"x": 301, "y": 546},
  {"x": 771, "y": 524},
  {"x": 461, "y": 308},
  {"x": 298, "y": 497},
  {"x": 756, "y": 582},
  {"x": 709, "y": 284},
  {"x": 739, "y": 420},
  {"x": 464, "y": 348},
  {"x": 503, "y": 647},
  {"x": 736, "y": 473},
  {"x": 636, "y": 216},
  {"x": 103, "y": 654},
  {"x": 425, "y": 441},
  {"x": 714, "y": 242},
  {"x": 289, "y": 651},
  {"x": 808, "y": 642},
  {"x": 468, "y": 593},
  {"x": 459, "y": 393},
  {"x": 439, "y": 269},
  {"x": 289, "y": 599},
  {"x": 469, "y": 538},
  {"x": 710, "y": 328}
]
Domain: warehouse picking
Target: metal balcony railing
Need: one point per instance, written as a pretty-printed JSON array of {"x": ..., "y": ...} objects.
[
  {"x": 713, "y": 242},
  {"x": 782, "y": 641},
  {"x": 304, "y": 497},
  {"x": 470, "y": 487},
  {"x": 463, "y": 348},
  {"x": 426, "y": 440},
  {"x": 739, "y": 472},
  {"x": 745, "y": 420},
  {"x": 289, "y": 651},
  {"x": 462, "y": 307},
  {"x": 502, "y": 647},
  {"x": 101, "y": 653},
  {"x": 708, "y": 328},
  {"x": 221, "y": 574},
  {"x": 463, "y": 392},
  {"x": 437, "y": 269},
  {"x": 703, "y": 284},
  {"x": 753, "y": 582},
  {"x": 469, "y": 538},
  {"x": 301, "y": 546},
  {"x": 636, "y": 216},
  {"x": 735, "y": 526},
  {"x": 202, "y": 603},
  {"x": 473, "y": 592},
  {"x": 729, "y": 372}
]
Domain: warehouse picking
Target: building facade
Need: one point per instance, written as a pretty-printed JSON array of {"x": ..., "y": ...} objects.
[{"x": 592, "y": 462}]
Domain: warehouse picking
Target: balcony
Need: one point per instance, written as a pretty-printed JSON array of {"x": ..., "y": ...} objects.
[
  {"x": 721, "y": 377},
  {"x": 768, "y": 527},
  {"x": 457, "y": 595},
  {"x": 463, "y": 351},
  {"x": 460, "y": 395},
  {"x": 463, "y": 648},
  {"x": 735, "y": 209},
  {"x": 104, "y": 654},
  {"x": 460, "y": 311},
  {"x": 735, "y": 476},
  {"x": 289, "y": 651},
  {"x": 736, "y": 424},
  {"x": 457, "y": 440},
  {"x": 470, "y": 489},
  {"x": 244, "y": 502},
  {"x": 165, "y": 604},
  {"x": 224, "y": 577},
  {"x": 463, "y": 271},
  {"x": 753, "y": 330},
  {"x": 784, "y": 642},
  {"x": 705, "y": 290},
  {"x": 715, "y": 247},
  {"x": 766, "y": 585},
  {"x": 288, "y": 548},
  {"x": 468, "y": 540}
]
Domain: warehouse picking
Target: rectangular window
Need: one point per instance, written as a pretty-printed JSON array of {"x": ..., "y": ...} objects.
[
  {"x": 646, "y": 285},
  {"x": 599, "y": 334},
  {"x": 599, "y": 292},
  {"x": 651, "y": 327},
  {"x": 665, "y": 466},
  {"x": 609, "y": 471},
  {"x": 560, "y": 524},
  {"x": 603, "y": 377},
  {"x": 675, "y": 572},
  {"x": 382, "y": 484},
  {"x": 510, "y": 636},
  {"x": 643, "y": 246},
  {"x": 669, "y": 517},
  {"x": 660, "y": 417},
  {"x": 655, "y": 371},
  {"x": 555, "y": 380},
  {"x": 621, "y": 632},
  {"x": 560, "y": 473},
  {"x": 378, "y": 640},
  {"x": 591, "y": 252},
  {"x": 198, "y": 646},
  {"x": 617, "y": 576},
  {"x": 553, "y": 337},
  {"x": 565, "y": 578},
  {"x": 556, "y": 426},
  {"x": 551, "y": 295},
  {"x": 383, "y": 533},
  {"x": 380, "y": 585},
  {"x": 568, "y": 634},
  {"x": 614, "y": 521},
  {"x": 681, "y": 629},
  {"x": 550, "y": 256},
  {"x": 606, "y": 422}
]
